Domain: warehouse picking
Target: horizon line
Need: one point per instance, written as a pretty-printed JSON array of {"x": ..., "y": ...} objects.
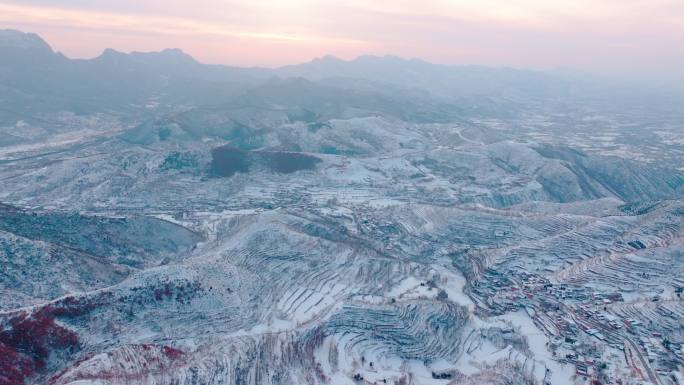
[{"x": 311, "y": 60}]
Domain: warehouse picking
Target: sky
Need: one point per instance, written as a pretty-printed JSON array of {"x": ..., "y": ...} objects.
[{"x": 623, "y": 36}]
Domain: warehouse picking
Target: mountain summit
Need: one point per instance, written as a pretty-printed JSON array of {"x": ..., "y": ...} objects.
[{"x": 13, "y": 39}]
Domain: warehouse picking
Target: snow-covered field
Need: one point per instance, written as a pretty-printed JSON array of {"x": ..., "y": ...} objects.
[{"x": 412, "y": 254}]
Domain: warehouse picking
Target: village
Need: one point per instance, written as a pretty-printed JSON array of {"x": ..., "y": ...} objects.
[{"x": 594, "y": 330}]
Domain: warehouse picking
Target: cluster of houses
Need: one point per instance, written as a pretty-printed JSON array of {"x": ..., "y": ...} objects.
[{"x": 559, "y": 306}]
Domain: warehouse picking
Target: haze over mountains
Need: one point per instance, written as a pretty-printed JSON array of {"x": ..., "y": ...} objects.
[
  {"x": 34, "y": 79},
  {"x": 374, "y": 221}
]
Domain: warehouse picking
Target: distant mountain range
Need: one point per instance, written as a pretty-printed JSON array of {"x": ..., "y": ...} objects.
[{"x": 34, "y": 79}]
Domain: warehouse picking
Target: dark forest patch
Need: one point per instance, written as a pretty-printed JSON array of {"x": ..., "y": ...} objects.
[
  {"x": 228, "y": 160},
  {"x": 287, "y": 162}
]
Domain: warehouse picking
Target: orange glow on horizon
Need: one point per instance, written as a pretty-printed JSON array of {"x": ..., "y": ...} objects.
[{"x": 584, "y": 34}]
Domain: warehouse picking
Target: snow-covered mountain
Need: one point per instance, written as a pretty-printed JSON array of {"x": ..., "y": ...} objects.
[{"x": 337, "y": 222}]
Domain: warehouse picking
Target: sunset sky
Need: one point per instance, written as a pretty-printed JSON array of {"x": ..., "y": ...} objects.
[{"x": 597, "y": 35}]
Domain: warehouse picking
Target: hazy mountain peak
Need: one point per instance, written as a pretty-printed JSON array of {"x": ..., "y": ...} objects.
[
  {"x": 166, "y": 52},
  {"x": 110, "y": 52},
  {"x": 323, "y": 62},
  {"x": 380, "y": 58},
  {"x": 174, "y": 52},
  {"x": 10, "y": 38},
  {"x": 169, "y": 56},
  {"x": 327, "y": 59}
]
